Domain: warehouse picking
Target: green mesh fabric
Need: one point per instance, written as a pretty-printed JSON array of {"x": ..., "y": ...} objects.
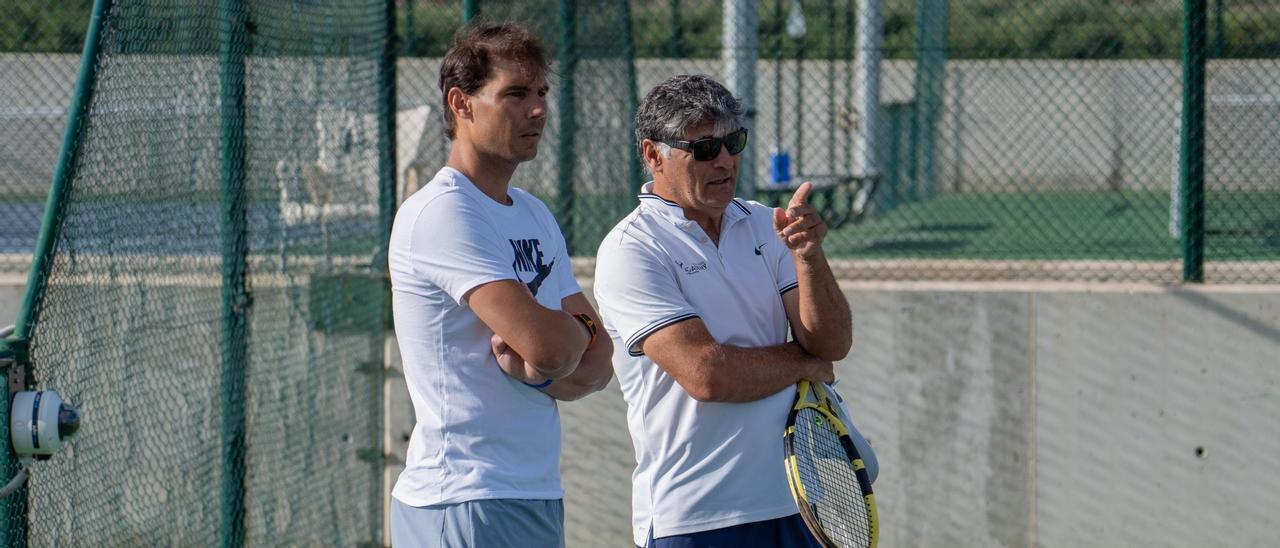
[{"x": 191, "y": 438}]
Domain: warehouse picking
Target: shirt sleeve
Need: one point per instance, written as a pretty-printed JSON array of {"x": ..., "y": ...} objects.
[
  {"x": 457, "y": 248},
  {"x": 637, "y": 292}
]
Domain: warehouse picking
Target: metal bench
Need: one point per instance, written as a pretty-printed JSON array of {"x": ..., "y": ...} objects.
[{"x": 839, "y": 198}]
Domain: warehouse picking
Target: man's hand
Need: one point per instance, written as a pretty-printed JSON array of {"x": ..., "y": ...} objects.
[
  {"x": 800, "y": 227},
  {"x": 512, "y": 364}
]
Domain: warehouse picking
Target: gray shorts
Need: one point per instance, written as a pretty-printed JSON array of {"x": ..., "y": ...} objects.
[{"x": 479, "y": 524}]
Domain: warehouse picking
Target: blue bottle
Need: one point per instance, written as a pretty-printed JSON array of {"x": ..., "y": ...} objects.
[{"x": 779, "y": 167}]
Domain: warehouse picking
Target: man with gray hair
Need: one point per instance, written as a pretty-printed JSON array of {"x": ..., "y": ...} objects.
[{"x": 698, "y": 290}]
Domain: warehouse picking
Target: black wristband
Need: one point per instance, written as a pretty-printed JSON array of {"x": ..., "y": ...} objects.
[{"x": 590, "y": 324}]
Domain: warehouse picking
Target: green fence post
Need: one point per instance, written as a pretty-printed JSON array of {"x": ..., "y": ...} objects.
[
  {"x": 13, "y": 525},
  {"x": 887, "y": 197},
  {"x": 568, "y": 60},
  {"x": 931, "y": 59},
  {"x": 635, "y": 171},
  {"x": 675, "y": 44},
  {"x": 388, "y": 170},
  {"x": 1218, "y": 29},
  {"x": 410, "y": 44},
  {"x": 233, "y": 43},
  {"x": 1191, "y": 157},
  {"x": 778, "y": 47},
  {"x": 470, "y": 9},
  {"x": 797, "y": 159},
  {"x": 833, "y": 165}
]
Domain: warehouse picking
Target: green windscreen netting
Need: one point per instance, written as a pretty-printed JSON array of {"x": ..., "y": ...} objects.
[{"x": 224, "y": 141}]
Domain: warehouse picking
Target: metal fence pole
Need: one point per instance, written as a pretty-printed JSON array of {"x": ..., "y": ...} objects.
[
  {"x": 233, "y": 40},
  {"x": 739, "y": 54},
  {"x": 867, "y": 95},
  {"x": 635, "y": 173},
  {"x": 388, "y": 172},
  {"x": 675, "y": 44},
  {"x": 565, "y": 104},
  {"x": 1191, "y": 158}
]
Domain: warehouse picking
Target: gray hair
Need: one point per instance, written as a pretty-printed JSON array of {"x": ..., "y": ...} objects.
[{"x": 683, "y": 101}]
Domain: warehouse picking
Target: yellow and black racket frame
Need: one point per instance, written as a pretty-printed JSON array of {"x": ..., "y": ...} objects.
[{"x": 810, "y": 397}]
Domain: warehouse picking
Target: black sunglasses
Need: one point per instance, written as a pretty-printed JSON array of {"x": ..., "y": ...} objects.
[{"x": 707, "y": 148}]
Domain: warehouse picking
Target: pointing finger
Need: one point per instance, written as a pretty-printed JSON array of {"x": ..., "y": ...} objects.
[{"x": 801, "y": 196}]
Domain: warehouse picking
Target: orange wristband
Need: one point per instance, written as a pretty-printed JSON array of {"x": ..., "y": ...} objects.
[{"x": 590, "y": 324}]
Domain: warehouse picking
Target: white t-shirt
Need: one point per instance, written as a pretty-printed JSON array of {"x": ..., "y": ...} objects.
[
  {"x": 479, "y": 434},
  {"x": 700, "y": 466}
]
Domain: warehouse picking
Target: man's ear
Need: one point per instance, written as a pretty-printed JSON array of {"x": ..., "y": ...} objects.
[
  {"x": 459, "y": 103},
  {"x": 651, "y": 155}
]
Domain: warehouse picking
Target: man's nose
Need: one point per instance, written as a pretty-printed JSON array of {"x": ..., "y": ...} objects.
[{"x": 539, "y": 109}]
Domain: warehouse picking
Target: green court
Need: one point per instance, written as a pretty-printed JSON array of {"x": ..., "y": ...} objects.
[{"x": 1074, "y": 225}]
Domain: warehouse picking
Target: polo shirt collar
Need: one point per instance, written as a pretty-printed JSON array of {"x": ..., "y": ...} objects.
[{"x": 673, "y": 212}]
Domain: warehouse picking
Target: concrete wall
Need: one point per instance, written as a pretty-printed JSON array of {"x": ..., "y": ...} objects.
[
  {"x": 1012, "y": 415},
  {"x": 1027, "y": 415}
]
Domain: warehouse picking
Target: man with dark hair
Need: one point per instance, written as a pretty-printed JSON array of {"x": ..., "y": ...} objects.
[
  {"x": 492, "y": 326},
  {"x": 698, "y": 290}
]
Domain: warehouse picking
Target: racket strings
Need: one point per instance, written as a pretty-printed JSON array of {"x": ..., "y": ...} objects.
[{"x": 829, "y": 480}]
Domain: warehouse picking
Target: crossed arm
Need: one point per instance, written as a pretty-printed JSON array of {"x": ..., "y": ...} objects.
[
  {"x": 710, "y": 371},
  {"x": 534, "y": 343}
]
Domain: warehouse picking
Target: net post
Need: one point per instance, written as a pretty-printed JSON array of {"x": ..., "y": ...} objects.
[
  {"x": 567, "y": 57},
  {"x": 1191, "y": 138},
  {"x": 233, "y": 46},
  {"x": 930, "y": 82},
  {"x": 69, "y": 156},
  {"x": 387, "y": 130},
  {"x": 635, "y": 173},
  {"x": 675, "y": 44},
  {"x": 13, "y": 530},
  {"x": 388, "y": 172},
  {"x": 739, "y": 53}
]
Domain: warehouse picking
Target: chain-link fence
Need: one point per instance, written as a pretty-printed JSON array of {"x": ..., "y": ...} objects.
[
  {"x": 1013, "y": 140},
  {"x": 211, "y": 287},
  {"x": 39, "y": 53}
]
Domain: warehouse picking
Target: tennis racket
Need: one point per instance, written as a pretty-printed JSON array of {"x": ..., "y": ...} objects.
[{"x": 827, "y": 476}]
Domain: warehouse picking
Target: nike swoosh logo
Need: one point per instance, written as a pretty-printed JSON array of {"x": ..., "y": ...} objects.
[{"x": 759, "y": 247}]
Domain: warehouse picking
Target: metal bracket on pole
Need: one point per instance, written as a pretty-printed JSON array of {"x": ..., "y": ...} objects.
[
  {"x": 16, "y": 373},
  {"x": 13, "y": 359}
]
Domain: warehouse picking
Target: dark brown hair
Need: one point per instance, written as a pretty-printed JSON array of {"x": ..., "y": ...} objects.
[{"x": 468, "y": 64}]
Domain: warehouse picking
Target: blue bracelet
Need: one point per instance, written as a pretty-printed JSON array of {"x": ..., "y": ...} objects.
[{"x": 538, "y": 386}]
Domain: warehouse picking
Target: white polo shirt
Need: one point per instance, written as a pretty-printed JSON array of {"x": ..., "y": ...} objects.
[{"x": 700, "y": 466}]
